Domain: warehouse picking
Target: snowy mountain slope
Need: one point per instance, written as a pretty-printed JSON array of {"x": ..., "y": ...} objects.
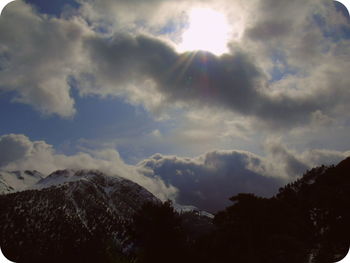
[
  {"x": 190, "y": 208},
  {"x": 77, "y": 209},
  {"x": 114, "y": 189},
  {"x": 18, "y": 180}
]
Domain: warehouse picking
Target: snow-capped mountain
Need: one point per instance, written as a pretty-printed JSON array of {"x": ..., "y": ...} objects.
[
  {"x": 18, "y": 180},
  {"x": 69, "y": 208}
]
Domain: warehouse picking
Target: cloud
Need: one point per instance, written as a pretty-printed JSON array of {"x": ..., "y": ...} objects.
[
  {"x": 304, "y": 54},
  {"x": 293, "y": 164},
  {"x": 126, "y": 16},
  {"x": 208, "y": 181},
  {"x": 17, "y": 152},
  {"x": 232, "y": 81},
  {"x": 177, "y": 77},
  {"x": 322, "y": 156},
  {"x": 285, "y": 160},
  {"x": 291, "y": 30},
  {"x": 14, "y": 147},
  {"x": 38, "y": 54}
]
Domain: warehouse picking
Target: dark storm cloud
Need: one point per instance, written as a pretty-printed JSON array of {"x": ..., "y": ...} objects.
[
  {"x": 210, "y": 180},
  {"x": 200, "y": 77},
  {"x": 232, "y": 81}
]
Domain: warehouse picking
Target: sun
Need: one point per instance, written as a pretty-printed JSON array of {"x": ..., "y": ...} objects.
[{"x": 208, "y": 31}]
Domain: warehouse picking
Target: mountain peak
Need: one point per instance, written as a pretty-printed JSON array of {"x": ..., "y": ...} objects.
[
  {"x": 11, "y": 181},
  {"x": 66, "y": 176}
]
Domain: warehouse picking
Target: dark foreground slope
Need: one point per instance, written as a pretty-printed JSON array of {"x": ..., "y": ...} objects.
[{"x": 307, "y": 221}]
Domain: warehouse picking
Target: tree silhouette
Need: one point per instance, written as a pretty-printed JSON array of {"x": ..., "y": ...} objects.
[{"x": 158, "y": 234}]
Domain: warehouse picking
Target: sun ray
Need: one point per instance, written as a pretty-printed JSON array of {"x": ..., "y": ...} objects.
[{"x": 182, "y": 64}]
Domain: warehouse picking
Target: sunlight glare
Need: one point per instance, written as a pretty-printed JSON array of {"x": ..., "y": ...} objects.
[{"x": 208, "y": 30}]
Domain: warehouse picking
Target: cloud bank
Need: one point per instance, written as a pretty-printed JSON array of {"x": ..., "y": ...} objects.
[
  {"x": 209, "y": 180},
  {"x": 206, "y": 181}
]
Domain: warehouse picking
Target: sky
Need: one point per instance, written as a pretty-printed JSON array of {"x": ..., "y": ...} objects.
[{"x": 195, "y": 100}]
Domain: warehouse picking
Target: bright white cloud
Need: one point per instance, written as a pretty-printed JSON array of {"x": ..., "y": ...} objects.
[{"x": 38, "y": 54}]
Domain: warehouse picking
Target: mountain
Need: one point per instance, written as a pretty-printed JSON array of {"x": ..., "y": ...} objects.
[
  {"x": 81, "y": 215},
  {"x": 18, "y": 180}
]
